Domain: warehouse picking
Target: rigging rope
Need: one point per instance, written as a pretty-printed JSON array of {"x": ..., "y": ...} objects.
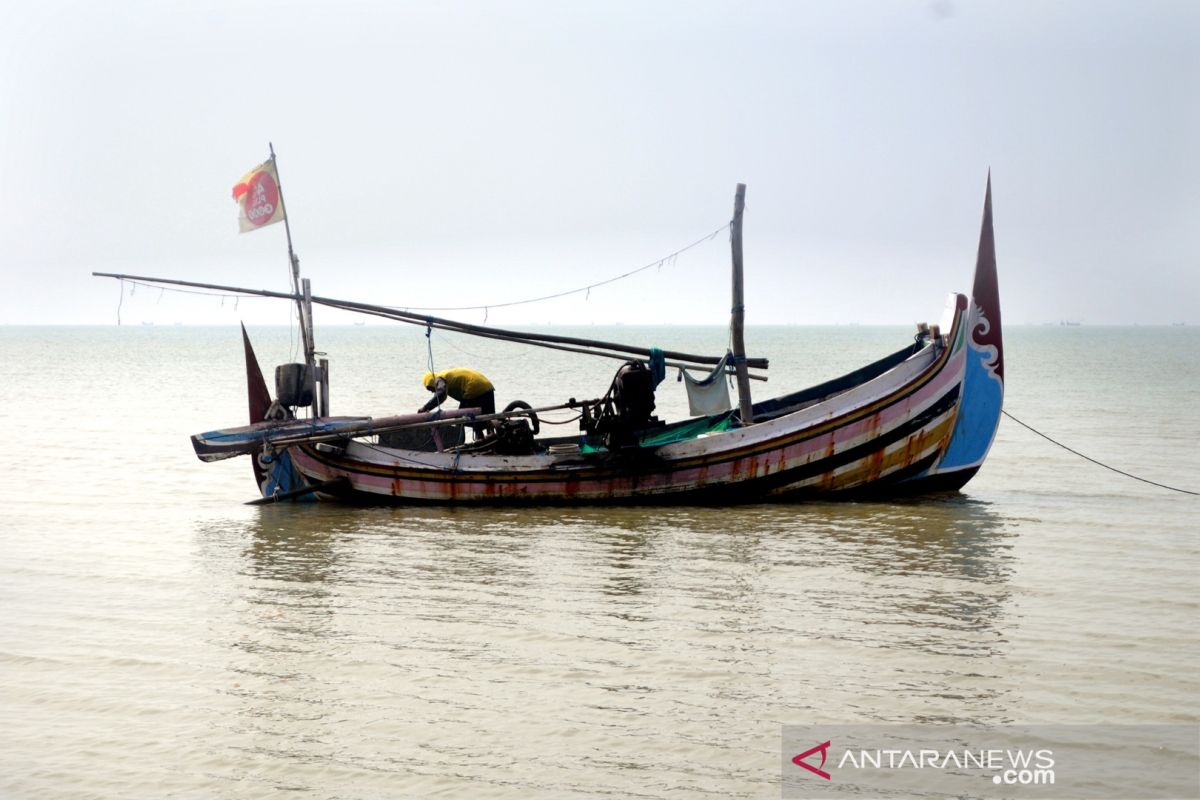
[
  {"x": 448, "y": 340},
  {"x": 1094, "y": 461},
  {"x": 586, "y": 289},
  {"x": 429, "y": 345},
  {"x": 485, "y": 308}
]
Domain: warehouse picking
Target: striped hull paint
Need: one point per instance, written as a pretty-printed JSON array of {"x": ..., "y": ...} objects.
[{"x": 871, "y": 437}]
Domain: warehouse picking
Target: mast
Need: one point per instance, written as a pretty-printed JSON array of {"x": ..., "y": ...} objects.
[
  {"x": 738, "y": 311},
  {"x": 302, "y": 290}
]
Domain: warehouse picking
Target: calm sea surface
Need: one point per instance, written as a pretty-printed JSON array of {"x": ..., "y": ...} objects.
[{"x": 161, "y": 639}]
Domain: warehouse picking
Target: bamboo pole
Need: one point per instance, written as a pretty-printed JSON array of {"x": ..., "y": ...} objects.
[
  {"x": 436, "y": 322},
  {"x": 374, "y": 426},
  {"x": 487, "y": 334},
  {"x": 738, "y": 312}
]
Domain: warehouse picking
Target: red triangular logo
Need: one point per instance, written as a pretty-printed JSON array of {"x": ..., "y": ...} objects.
[{"x": 800, "y": 762}]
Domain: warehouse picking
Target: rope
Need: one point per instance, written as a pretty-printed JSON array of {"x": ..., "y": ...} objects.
[
  {"x": 448, "y": 340},
  {"x": 1094, "y": 461},
  {"x": 392, "y": 454},
  {"x": 177, "y": 290},
  {"x": 560, "y": 421},
  {"x": 667, "y": 259},
  {"x": 429, "y": 345},
  {"x": 586, "y": 289}
]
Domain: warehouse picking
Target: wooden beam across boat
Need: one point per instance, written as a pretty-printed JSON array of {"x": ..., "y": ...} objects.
[
  {"x": 248, "y": 439},
  {"x": 440, "y": 322},
  {"x": 490, "y": 334}
]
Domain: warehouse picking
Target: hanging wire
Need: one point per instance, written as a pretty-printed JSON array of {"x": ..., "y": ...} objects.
[
  {"x": 449, "y": 341},
  {"x": 587, "y": 289},
  {"x": 178, "y": 290},
  {"x": 670, "y": 260},
  {"x": 1094, "y": 461}
]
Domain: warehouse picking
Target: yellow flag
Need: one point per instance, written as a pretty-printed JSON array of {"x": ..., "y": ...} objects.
[{"x": 257, "y": 196}]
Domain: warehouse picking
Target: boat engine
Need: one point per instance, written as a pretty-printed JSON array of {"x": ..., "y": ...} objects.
[
  {"x": 626, "y": 409},
  {"x": 633, "y": 394},
  {"x": 514, "y": 436}
]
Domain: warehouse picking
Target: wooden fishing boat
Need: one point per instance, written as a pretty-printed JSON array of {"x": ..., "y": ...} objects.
[{"x": 920, "y": 420}]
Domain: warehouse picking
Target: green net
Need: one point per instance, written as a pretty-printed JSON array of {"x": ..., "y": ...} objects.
[{"x": 678, "y": 432}]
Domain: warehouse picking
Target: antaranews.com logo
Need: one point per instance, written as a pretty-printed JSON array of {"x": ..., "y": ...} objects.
[
  {"x": 1008, "y": 767},
  {"x": 1003, "y": 761}
]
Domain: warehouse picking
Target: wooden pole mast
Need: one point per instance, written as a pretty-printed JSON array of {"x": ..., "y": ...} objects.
[
  {"x": 303, "y": 293},
  {"x": 738, "y": 311}
]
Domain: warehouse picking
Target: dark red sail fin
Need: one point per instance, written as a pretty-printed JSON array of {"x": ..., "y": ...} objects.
[
  {"x": 986, "y": 292},
  {"x": 256, "y": 387},
  {"x": 260, "y": 400}
]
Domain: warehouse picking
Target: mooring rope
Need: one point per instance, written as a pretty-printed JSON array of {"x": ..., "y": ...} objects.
[{"x": 1094, "y": 461}]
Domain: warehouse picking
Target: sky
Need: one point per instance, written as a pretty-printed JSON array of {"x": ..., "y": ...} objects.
[{"x": 449, "y": 154}]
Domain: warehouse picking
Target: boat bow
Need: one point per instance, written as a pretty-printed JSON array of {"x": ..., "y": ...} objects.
[{"x": 982, "y": 395}]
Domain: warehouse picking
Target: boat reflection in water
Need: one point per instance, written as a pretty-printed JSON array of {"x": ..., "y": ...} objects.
[{"x": 415, "y": 625}]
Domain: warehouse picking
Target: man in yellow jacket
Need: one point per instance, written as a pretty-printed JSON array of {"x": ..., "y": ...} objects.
[{"x": 470, "y": 388}]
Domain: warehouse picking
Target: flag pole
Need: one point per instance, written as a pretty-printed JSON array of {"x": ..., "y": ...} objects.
[
  {"x": 287, "y": 226},
  {"x": 303, "y": 296}
]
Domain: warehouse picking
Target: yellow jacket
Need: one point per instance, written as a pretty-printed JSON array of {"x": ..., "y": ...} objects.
[{"x": 461, "y": 384}]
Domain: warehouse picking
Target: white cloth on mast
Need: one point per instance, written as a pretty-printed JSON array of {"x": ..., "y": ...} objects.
[{"x": 708, "y": 395}]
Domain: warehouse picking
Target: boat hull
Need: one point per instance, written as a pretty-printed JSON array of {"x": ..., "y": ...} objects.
[{"x": 886, "y": 435}]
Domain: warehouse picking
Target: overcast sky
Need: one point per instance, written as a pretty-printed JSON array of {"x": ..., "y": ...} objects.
[{"x": 467, "y": 153}]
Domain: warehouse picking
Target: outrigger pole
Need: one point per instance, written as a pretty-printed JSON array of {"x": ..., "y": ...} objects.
[{"x": 540, "y": 339}]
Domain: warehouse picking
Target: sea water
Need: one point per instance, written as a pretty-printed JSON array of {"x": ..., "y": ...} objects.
[{"x": 161, "y": 639}]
